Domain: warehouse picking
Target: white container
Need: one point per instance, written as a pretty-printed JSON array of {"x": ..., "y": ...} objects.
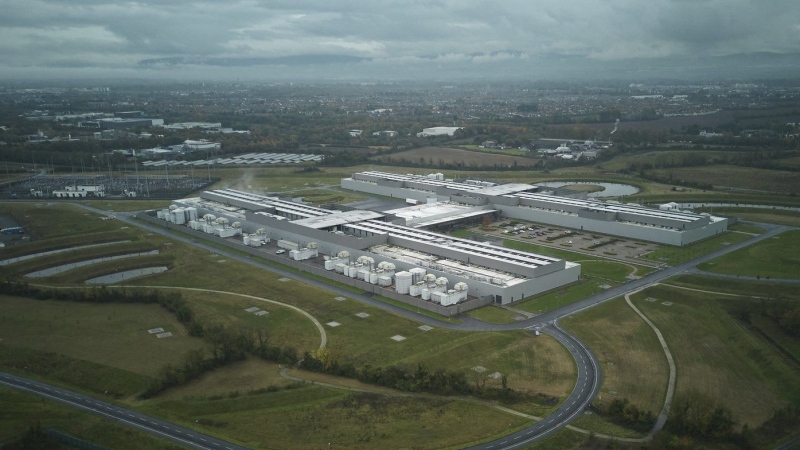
[
  {"x": 373, "y": 277},
  {"x": 402, "y": 282},
  {"x": 352, "y": 271},
  {"x": 384, "y": 280},
  {"x": 363, "y": 274},
  {"x": 246, "y": 239},
  {"x": 417, "y": 274},
  {"x": 414, "y": 290},
  {"x": 329, "y": 265},
  {"x": 426, "y": 293},
  {"x": 340, "y": 267}
]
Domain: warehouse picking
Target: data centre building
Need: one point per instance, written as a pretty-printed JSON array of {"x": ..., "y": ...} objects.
[
  {"x": 526, "y": 202},
  {"x": 507, "y": 275}
]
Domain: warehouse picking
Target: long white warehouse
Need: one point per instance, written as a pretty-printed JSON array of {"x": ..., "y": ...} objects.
[
  {"x": 522, "y": 201},
  {"x": 442, "y": 269}
]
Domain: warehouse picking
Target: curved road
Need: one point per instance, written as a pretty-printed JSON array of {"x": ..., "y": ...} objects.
[
  {"x": 152, "y": 425},
  {"x": 588, "y": 381}
]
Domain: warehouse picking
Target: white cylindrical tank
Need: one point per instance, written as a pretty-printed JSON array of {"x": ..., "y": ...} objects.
[
  {"x": 418, "y": 273},
  {"x": 402, "y": 282}
]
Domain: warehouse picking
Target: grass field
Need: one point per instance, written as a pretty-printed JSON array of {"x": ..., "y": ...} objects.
[
  {"x": 493, "y": 314},
  {"x": 746, "y": 228},
  {"x": 562, "y": 296},
  {"x": 533, "y": 364},
  {"x": 717, "y": 355},
  {"x": 777, "y": 216},
  {"x": 312, "y": 417},
  {"x": 778, "y": 257},
  {"x": 633, "y": 363},
  {"x": 443, "y": 155},
  {"x": 96, "y": 332},
  {"x": 675, "y": 255},
  {"x": 126, "y": 205},
  {"x": 19, "y": 411},
  {"x": 779, "y": 181}
]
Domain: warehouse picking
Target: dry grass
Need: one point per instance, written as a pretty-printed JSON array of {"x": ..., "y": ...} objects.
[
  {"x": 242, "y": 377},
  {"x": 633, "y": 363},
  {"x": 717, "y": 355},
  {"x": 738, "y": 177},
  {"x": 110, "y": 334}
]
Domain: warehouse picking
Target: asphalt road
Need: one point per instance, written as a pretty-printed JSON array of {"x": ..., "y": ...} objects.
[
  {"x": 588, "y": 381},
  {"x": 124, "y": 416}
]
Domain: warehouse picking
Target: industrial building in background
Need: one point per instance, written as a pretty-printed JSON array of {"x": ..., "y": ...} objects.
[
  {"x": 537, "y": 204},
  {"x": 376, "y": 248}
]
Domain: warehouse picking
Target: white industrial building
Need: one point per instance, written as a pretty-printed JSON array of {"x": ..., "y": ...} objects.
[
  {"x": 525, "y": 202},
  {"x": 368, "y": 246},
  {"x": 438, "y": 131}
]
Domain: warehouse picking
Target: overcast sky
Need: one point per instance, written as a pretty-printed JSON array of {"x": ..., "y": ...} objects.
[{"x": 180, "y": 37}]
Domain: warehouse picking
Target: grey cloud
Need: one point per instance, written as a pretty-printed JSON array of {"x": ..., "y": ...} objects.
[{"x": 151, "y": 35}]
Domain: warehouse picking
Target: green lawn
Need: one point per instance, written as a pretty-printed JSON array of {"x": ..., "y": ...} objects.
[
  {"x": 717, "y": 355},
  {"x": 634, "y": 365},
  {"x": 777, "y": 257},
  {"x": 96, "y": 332},
  {"x": 777, "y": 216},
  {"x": 563, "y": 296},
  {"x": 312, "y": 417},
  {"x": 19, "y": 411},
  {"x": 746, "y": 228},
  {"x": 493, "y": 314},
  {"x": 675, "y": 255}
]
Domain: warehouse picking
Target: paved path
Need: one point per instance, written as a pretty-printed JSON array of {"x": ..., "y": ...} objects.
[{"x": 125, "y": 416}]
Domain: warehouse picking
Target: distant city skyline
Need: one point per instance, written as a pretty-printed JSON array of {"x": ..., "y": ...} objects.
[{"x": 412, "y": 39}]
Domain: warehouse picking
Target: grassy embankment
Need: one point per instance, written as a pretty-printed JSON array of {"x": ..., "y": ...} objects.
[{"x": 775, "y": 258}]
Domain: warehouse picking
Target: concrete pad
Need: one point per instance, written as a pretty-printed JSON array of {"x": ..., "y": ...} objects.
[
  {"x": 398, "y": 338},
  {"x": 425, "y": 328},
  {"x": 339, "y": 299},
  {"x": 284, "y": 279},
  {"x": 155, "y": 330},
  {"x": 519, "y": 318},
  {"x": 666, "y": 303},
  {"x": 651, "y": 299},
  {"x": 261, "y": 313},
  {"x": 363, "y": 315},
  {"x": 252, "y": 309},
  {"x": 164, "y": 335},
  {"x": 222, "y": 260},
  {"x": 495, "y": 376},
  {"x": 605, "y": 286},
  {"x": 333, "y": 324},
  {"x": 479, "y": 369}
]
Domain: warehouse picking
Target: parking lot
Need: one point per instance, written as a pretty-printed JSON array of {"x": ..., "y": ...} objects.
[{"x": 566, "y": 239}]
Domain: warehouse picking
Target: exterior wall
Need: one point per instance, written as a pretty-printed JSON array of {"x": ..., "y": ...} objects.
[{"x": 371, "y": 188}]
